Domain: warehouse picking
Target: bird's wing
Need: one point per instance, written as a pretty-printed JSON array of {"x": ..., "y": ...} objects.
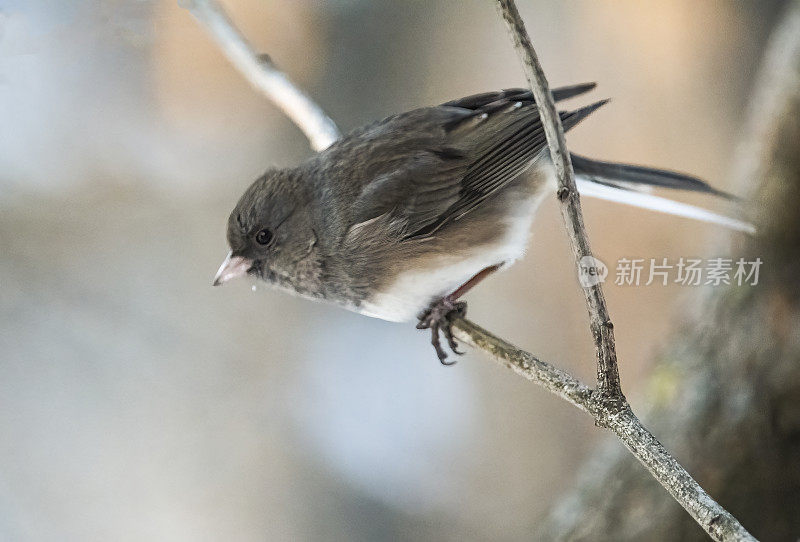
[
  {"x": 502, "y": 152},
  {"x": 433, "y": 165}
]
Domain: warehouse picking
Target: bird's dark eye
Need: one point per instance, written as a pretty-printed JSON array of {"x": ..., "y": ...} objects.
[{"x": 264, "y": 237}]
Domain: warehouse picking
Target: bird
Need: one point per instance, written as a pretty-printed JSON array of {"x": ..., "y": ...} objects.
[{"x": 400, "y": 218}]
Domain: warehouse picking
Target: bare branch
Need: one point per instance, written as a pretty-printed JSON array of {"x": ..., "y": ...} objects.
[
  {"x": 263, "y": 75},
  {"x": 602, "y": 328},
  {"x": 526, "y": 365},
  {"x": 715, "y": 520}
]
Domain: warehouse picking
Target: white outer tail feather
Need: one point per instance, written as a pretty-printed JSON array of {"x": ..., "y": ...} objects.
[{"x": 643, "y": 200}]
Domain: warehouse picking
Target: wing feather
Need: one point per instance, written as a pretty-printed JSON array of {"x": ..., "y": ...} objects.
[{"x": 439, "y": 163}]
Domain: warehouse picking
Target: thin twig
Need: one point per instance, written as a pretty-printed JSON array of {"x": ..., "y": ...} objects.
[
  {"x": 606, "y": 405},
  {"x": 527, "y": 365},
  {"x": 263, "y": 75},
  {"x": 600, "y": 322}
]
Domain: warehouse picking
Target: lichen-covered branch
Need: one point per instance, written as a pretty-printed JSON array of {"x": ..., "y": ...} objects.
[{"x": 263, "y": 75}]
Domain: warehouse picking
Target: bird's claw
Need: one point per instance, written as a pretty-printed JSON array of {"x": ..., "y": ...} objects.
[{"x": 439, "y": 317}]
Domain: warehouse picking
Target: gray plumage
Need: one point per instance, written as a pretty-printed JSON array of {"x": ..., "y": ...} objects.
[{"x": 399, "y": 213}]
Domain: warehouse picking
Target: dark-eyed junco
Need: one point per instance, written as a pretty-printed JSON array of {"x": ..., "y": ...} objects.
[{"x": 398, "y": 219}]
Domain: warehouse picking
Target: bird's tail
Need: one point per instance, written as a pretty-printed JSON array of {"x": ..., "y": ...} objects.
[{"x": 624, "y": 183}]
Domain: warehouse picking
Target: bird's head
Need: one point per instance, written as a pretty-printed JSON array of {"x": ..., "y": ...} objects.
[{"x": 269, "y": 230}]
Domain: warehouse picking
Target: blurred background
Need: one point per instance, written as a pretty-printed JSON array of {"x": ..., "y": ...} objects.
[{"x": 138, "y": 402}]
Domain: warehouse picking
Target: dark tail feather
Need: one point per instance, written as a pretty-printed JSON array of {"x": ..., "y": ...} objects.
[
  {"x": 612, "y": 173},
  {"x": 477, "y": 101},
  {"x": 565, "y": 93},
  {"x": 571, "y": 118}
]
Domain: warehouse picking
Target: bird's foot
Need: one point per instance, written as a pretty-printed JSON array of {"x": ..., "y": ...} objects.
[{"x": 439, "y": 317}]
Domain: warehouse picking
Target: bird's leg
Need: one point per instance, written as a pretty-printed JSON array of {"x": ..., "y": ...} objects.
[{"x": 439, "y": 316}]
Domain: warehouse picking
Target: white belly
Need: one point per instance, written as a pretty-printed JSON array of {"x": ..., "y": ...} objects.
[{"x": 414, "y": 290}]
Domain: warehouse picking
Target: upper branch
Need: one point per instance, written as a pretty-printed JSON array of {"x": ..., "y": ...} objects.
[
  {"x": 602, "y": 329},
  {"x": 262, "y": 74}
]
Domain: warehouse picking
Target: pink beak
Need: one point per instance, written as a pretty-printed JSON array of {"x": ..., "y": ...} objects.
[{"x": 231, "y": 268}]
